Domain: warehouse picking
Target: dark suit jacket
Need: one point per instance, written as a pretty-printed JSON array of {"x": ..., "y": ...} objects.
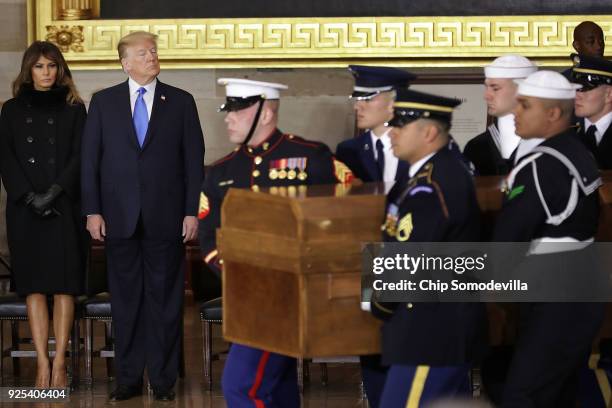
[
  {"x": 159, "y": 182},
  {"x": 357, "y": 153}
]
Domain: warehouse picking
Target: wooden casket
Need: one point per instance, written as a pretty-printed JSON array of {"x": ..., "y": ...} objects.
[{"x": 292, "y": 266}]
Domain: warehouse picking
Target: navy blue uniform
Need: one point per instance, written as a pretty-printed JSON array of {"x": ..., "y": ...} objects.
[
  {"x": 602, "y": 151},
  {"x": 358, "y": 154},
  {"x": 430, "y": 346},
  {"x": 483, "y": 152},
  {"x": 554, "y": 338},
  {"x": 252, "y": 377}
]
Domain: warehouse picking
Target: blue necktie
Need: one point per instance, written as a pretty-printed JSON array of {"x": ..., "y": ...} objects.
[{"x": 141, "y": 117}]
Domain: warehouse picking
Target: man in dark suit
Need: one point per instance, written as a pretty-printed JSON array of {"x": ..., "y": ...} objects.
[
  {"x": 369, "y": 155},
  {"x": 142, "y": 167},
  {"x": 593, "y": 106}
]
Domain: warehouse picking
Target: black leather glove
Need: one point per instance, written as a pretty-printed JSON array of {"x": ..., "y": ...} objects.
[
  {"x": 42, "y": 203},
  {"x": 27, "y": 198}
]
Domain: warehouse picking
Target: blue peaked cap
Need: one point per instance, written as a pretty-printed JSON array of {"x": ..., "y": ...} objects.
[{"x": 370, "y": 81}]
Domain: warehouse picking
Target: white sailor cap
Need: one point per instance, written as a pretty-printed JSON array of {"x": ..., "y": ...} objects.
[
  {"x": 510, "y": 66},
  {"x": 242, "y": 93},
  {"x": 547, "y": 85}
]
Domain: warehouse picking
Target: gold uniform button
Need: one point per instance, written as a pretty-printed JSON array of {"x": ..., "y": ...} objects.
[
  {"x": 255, "y": 188},
  {"x": 258, "y": 160},
  {"x": 250, "y": 150},
  {"x": 256, "y": 173},
  {"x": 409, "y": 305}
]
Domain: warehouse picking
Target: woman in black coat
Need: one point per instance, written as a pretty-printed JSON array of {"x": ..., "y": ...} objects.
[{"x": 40, "y": 141}]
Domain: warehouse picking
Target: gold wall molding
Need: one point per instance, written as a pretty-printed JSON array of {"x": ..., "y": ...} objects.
[
  {"x": 67, "y": 38},
  {"x": 320, "y": 42}
]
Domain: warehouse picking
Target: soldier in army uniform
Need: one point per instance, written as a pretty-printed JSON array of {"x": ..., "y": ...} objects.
[
  {"x": 593, "y": 106},
  {"x": 428, "y": 346},
  {"x": 264, "y": 157},
  {"x": 551, "y": 198}
]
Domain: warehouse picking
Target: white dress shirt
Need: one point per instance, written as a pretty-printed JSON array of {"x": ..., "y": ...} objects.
[
  {"x": 390, "y": 159},
  {"x": 602, "y": 126},
  {"x": 148, "y": 96},
  {"x": 414, "y": 168}
]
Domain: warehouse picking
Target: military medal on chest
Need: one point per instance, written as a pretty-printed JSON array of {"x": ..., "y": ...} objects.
[
  {"x": 291, "y": 165},
  {"x": 390, "y": 225},
  {"x": 301, "y": 168},
  {"x": 274, "y": 168},
  {"x": 288, "y": 168}
]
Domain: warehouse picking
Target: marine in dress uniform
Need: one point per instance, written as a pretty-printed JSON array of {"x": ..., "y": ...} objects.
[
  {"x": 428, "y": 346},
  {"x": 551, "y": 197},
  {"x": 493, "y": 151},
  {"x": 264, "y": 157},
  {"x": 593, "y": 106}
]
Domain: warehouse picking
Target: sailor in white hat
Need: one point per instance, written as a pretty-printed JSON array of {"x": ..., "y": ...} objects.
[
  {"x": 492, "y": 152},
  {"x": 264, "y": 157},
  {"x": 551, "y": 201}
]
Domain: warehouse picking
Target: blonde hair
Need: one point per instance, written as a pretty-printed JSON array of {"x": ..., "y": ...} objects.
[{"x": 132, "y": 38}]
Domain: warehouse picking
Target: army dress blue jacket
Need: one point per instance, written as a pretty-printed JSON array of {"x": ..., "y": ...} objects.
[{"x": 437, "y": 204}]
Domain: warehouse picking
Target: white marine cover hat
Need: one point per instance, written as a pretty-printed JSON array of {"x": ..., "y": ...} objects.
[{"x": 244, "y": 88}]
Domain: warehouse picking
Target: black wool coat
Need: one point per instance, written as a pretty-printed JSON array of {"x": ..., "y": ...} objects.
[{"x": 40, "y": 143}]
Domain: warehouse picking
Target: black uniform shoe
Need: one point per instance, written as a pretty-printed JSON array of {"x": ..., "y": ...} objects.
[
  {"x": 163, "y": 395},
  {"x": 125, "y": 392}
]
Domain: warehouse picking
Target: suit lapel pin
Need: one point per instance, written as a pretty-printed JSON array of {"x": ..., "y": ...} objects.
[
  {"x": 163, "y": 97},
  {"x": 366, "y": 147}
]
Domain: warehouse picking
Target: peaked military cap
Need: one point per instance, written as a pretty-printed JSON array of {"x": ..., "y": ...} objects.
[
  {"x": 591, "y": 72},
  {"x": 412, "y": 105},
  {"x": 370, "y": 81},
  {"x": 242, "y": 93}
]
